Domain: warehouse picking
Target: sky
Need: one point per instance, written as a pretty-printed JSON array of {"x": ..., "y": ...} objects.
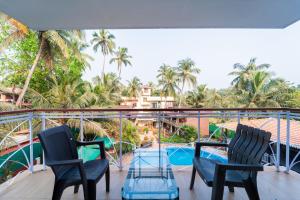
[{"x": 213, "y": 50}]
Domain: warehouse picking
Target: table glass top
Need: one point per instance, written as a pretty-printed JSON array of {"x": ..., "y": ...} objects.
[{"x": 150, "y": 177}]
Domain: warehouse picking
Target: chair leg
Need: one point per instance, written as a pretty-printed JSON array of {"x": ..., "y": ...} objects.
[
  {"x": 76, "y": 188},
  {"x": 92, "y": 191},
  {"x": 193, "y": 178},
  {"x": 85, "y": 191},
  {"x": 218, "y": 184},
  {"x": 107, "y": 179},
  {"x": 251, "y": 189},
  {"x": 57, "y": 192},
  {"x": 231, "y": 189}
]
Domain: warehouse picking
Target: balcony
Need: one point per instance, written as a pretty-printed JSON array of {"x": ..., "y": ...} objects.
[{"x": 33, "y": 180}]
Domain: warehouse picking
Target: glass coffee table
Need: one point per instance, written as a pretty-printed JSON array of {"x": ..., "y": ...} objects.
[{"x": 150, "y": 177}]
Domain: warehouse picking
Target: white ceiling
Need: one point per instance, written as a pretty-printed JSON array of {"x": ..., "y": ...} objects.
[{"x": 94, "y": 14}]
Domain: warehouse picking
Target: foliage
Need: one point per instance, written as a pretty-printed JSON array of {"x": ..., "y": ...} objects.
[
  {"x": 121, "y": 57},
  {"x": 107, "y": 90},
  {"x": 103, "y": 40},
  {"x": 187, "y": 72},
  {"x": 134, "y": 87},
  {"x": 168, "y": 79},
  {"x": 186, "y": 134},
  {"x": 65, "y": 92},
  {"x": 129, "y": 136},
  {"x": 197, "y": 97}
]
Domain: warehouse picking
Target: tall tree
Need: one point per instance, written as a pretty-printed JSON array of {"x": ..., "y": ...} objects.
[
  {"x": 17, "y": 32},
  {"x": 121, "y": 58},
  {"x": 259, "y": 93},
  {"x": 66, "y": 92},
  {"x": 187, "y": 72},
  {"x": 213, "y": 99},
  {"x": 134, "y": 87},
  {"x": 108, "y": 89},
  {"x": 105, "y": 41},
  {"x": 169, "y": 82},
  {"x": 162, "y": 71},
  {"x": 50, "y": 43},
  {"x": 197, "y": 97},
  {"x": 243, "y": 73}
]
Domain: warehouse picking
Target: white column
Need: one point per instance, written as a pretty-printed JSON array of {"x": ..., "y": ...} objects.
[
  {"x": 287, "y": 153},
  {"x": 31, "y": 168},
  {"x": 44, "y": 128},
  {"x": 199, "y": 134},
  {"x": 120, "y": 153},
  {"x": 278, "y": 142}
]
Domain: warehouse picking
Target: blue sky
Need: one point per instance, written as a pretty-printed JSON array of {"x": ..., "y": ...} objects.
[{"x": 213, "y": 50}]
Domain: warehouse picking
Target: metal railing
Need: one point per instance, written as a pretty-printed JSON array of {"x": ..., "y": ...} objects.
[{"x": 40, "y": 119}]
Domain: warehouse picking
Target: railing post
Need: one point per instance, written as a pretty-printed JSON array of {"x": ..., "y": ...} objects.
[
  {"x": 44, "y": 128},
  {"x": 81, "y": 134},
  {"x": 278, "y": 142},
  {"x": 120, "y": 153},
  {"x": 199, "y": 127},
  {"x": 287, "y": 153},
  {"x": 81, "y": 127},
  {"x": 159, "y": 147},
  {"x": 31, "y": 168},
  {"x": 239, "y": 117}
]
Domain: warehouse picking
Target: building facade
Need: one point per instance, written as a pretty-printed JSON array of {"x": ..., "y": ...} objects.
[{"x": 145, "y": 100}]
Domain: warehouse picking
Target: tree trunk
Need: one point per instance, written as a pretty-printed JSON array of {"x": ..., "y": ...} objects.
[
  {"x": 181, "y": 92},
  {"x": 29, "y": 76},
  {"x": 103, "y": 65},
  {"x": 119, "y": 71}
]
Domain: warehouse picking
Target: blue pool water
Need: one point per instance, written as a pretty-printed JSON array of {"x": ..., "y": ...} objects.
[{"x": 184, "y": 155}]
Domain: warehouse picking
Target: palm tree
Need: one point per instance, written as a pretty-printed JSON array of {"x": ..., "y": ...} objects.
[
  {"x": 104, "y": 40},
  {"x": 50, "y": 42},
  {"x": 243, "y": 73},
  {"x": 213, "y": 99},
  {"x": 197, "y": 97},
  {"x": 18, "y": 32},
  {"x": 65, "y": 92},
  {"x": 154, "y": 89},
  {"x": 169, "y": 82},
  {"x": 162, "y": 71},
  {"x": 186, "y": 72},
  {"x": 108, "y": 89},
  {"x": 134, "y": 87},
  {"x": 260, "y": 92},
  {"x": 121, "y": 58}
]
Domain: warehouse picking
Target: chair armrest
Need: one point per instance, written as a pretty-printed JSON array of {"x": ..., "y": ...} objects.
[
  {"x": 65, "y": 162},
  {"x": 211, "y": 144},
  {"x": 100, "y": 143},
  {"x": 220, "y": 172},
  {"x": 240, "y": 167},
  {"x": 76, "y": 162}
]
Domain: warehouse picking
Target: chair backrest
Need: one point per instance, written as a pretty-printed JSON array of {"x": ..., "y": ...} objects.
[
  {"x": 248, "y": 145},
  {"x": 58, "y": 144}
]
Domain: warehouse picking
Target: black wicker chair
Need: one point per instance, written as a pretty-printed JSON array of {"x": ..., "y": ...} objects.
[
  {"x": 61, "y": 155},
  {"x": 245, "y": 152}
]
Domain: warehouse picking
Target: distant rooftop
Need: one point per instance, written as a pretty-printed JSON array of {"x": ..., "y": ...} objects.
[{"x": 10, "y": 90}]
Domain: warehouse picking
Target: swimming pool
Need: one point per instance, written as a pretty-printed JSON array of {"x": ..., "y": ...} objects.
[{"x": 184, "y": 155}]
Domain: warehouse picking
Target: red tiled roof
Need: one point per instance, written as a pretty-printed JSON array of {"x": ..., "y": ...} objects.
[{"x": 270, "y": 125}]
